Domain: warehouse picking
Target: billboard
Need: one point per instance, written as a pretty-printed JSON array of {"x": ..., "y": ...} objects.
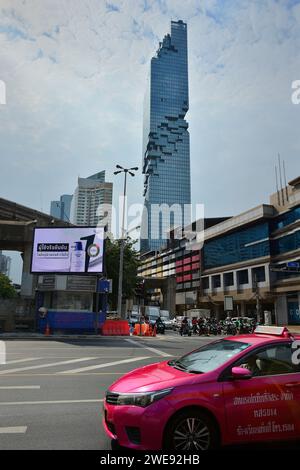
[{"x": 68, "y": 250}]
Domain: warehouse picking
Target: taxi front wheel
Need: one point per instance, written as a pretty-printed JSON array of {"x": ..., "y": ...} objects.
[{"x": 191, "y": 431}]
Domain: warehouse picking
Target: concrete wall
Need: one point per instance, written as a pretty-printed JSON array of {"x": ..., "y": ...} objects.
[
  {"x": 281, "y": 310},
  {"x": 16, "y": 313}
]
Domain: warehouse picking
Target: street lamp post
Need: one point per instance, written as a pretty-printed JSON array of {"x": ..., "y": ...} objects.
[{"x": 122, "y": 244}]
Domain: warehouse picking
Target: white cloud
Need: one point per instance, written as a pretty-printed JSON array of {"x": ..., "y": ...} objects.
[{"x": 76, "y": 72}]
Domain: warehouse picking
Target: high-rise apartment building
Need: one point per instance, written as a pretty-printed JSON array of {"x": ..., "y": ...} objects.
[
  {"x": 166, "y": 147},
  {"x": 92, "y": 201}
]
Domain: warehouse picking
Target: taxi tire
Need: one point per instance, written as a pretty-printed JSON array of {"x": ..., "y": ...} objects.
[
  {"x": 191, "y": 413},
  {"x": 114, "y": 444}
]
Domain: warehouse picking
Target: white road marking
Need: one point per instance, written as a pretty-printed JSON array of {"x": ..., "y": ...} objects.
[
  {"x": 14, "y": 430},
  {"x": 56, "y": 402},
  {"x": 56, "y": 374},
  {"x": 28, "y": 359},
  {"x": 42, "y": 366},
  {"x": 156, "y": 351},
  {"x": 101, "y": 366},
  {"x": 20, "y": 387}
]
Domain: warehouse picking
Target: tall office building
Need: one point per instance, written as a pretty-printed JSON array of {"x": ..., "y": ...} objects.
[
  {"x": 55, "y": 209},
  {"x": 166, "y": 147},
  {"x": 61, "y": 209},
  {"x": 5, "y": 264},
  {"x": 92, "y": 201}
]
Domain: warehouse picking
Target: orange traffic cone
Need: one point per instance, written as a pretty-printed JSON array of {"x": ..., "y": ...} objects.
[{"x": 47, "y": 330}]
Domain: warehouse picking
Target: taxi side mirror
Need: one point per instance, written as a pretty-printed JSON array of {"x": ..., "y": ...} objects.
[{"x": 240, "y": 373}]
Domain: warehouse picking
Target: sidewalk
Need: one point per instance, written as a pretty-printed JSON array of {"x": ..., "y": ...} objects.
[
  {"x": 294, "y": 329},
  {"x": 57, "y": 337},
  {"x": 54, "y": 337},
  {"x": 39, "y": 336}
]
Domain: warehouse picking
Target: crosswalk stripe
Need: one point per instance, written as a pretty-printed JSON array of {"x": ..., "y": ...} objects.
[
  {"x": 13, "y": 430},
  {"x": 51, "y": 402},
  {"x": 42, "y": 366},
  {"x": 27, "y": 359},
  {"x": 142, "y": 345},
  {"x": 101, "y": 366},
  {"x": 20, "y": 387}
]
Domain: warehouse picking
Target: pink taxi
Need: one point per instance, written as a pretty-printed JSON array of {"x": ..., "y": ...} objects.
[{"x": 235, "y": 390}]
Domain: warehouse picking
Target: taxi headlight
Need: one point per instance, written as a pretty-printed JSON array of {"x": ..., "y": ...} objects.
[{"x": 142, "y": 399}]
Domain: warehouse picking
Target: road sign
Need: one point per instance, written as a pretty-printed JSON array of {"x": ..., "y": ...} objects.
[
  {"x": 293, "y": 264},
  {"x": 104, "y": 286}
]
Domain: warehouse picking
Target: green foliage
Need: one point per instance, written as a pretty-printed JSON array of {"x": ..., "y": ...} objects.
[
  {"x": 130, "y": 265},
  {"x": 7, "y": 290}
]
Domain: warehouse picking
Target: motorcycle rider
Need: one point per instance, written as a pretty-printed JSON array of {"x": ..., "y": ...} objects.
[
  {"x": 184, "y": 326},
  {"x": 195, "y": 325},
  {"x": 160, "y": 326}
]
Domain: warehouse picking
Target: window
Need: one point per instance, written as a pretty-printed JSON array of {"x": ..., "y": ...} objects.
[
  {"x": 72, "y": 301},
  {"x": 259, "y": 274},
  {"x": 216, "y": 281},
  {"x": 205, "y": 282},
  {"x": 240, "y": 246},
  {"x": 286, "y": 219},
  {"x": 272, "y": 360},
  {"x": 284, "y": 244},
  {"x": 228, "y": 279},
  {"x": 242, "y": 277}
]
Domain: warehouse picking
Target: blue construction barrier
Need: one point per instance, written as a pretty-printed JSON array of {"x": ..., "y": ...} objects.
[{"x": 71, "y": 322}]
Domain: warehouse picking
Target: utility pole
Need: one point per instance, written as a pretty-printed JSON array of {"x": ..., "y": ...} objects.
[{"x": 122, "y": 241}]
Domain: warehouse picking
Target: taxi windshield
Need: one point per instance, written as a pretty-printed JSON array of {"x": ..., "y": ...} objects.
[{"x": 209, "y": 357}]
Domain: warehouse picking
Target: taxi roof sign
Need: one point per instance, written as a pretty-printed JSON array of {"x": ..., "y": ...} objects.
[{"x": 271, "y": 330}]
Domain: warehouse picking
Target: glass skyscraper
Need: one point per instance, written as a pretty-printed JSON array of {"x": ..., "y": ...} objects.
[{"x": 166, "y": 147}]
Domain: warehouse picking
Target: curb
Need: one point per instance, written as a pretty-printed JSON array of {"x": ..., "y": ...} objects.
[
  {"x": 47, "y": 338},
  {"x": 68, "y": 337}
]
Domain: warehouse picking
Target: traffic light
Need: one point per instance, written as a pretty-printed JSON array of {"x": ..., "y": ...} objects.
[{"x": 140, "y": 288}]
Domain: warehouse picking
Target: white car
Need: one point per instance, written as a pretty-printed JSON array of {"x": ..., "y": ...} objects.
[{"x": 168, "y": 323}]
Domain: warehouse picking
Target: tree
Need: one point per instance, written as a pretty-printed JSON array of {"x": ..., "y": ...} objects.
[
  {"x": 130, "y": 266},
  {"x": 7, "y": 290}
]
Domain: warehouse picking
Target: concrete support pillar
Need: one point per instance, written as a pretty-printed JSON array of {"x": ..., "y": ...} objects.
[
  {"x": 243, "y": 309},
  {"x": 250, "y": 278},
  {"x": 217, "y": 312},
  {"x": 235, "y": 282},
  {"x": 269, "y": 279},
  {"x": 169, "y": 295},
  {"x": 29, "y": 281},
  {"x": 281, "y": 310}
]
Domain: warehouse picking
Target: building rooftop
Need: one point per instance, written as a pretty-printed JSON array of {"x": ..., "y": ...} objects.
[{"x": 295, "y": 182}]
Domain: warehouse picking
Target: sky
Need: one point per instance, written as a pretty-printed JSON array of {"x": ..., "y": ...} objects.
[{"x": 75, "y": 73}]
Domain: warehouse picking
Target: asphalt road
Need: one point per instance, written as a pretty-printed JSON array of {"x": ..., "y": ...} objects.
[{"x": 51, "y": 392}]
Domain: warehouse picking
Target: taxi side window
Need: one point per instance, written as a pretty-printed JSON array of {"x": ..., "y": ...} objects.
[{"x": 272, "y": 360}]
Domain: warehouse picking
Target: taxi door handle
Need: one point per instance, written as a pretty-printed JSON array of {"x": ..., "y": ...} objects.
[{"x": 293, "y": 385}]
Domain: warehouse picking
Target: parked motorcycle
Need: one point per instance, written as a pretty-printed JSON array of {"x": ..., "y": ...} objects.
[{"x": 185, "y": 329}]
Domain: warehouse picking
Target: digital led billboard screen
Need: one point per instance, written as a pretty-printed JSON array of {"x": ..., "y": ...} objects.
[{"x": 68, "y": 250}]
